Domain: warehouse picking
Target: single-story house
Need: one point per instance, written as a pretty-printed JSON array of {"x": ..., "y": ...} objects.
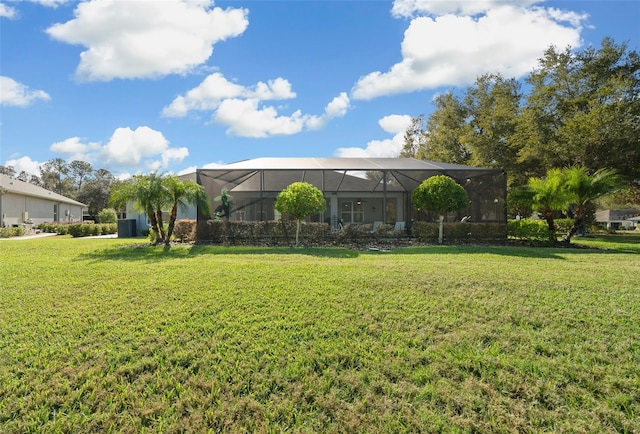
[
  {"x": 618, "y": 218},
  {"x": 357, "y": 190},
  {"x": 22, "y": 203}
]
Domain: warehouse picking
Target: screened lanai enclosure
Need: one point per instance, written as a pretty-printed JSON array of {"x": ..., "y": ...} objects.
[{"x": 357, "y": 190}]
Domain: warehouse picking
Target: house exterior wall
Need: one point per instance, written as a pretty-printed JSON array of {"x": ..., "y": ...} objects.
[
  {"x": 142, "y": 221},
  {"x": 618, "y": 218},
  {"x": 16, "y": 209}
]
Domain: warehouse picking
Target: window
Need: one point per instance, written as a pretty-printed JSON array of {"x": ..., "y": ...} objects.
[
  {"x": 55, "y": 212},
  {"x": 351, "y": 211}
]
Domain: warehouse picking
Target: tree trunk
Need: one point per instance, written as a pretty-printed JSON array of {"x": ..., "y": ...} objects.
[
  {"x": 548, "y": 216},
  {"x": 441, "y": 230},
  {"x": 160, "y": 226},
  {"x": 297, "y": 231},
  {"x": 578, "y": 219},
  {"x": 154, "y": 222},
  {"x": 172, "y": 224}
]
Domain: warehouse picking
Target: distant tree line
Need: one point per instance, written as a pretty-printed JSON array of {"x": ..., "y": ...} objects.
[
  {"x": 575, "y": 109},
  {"x": 77, "y": 180}
]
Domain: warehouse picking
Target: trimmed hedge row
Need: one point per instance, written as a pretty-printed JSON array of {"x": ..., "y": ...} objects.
[
  {"x": 12, "y": 232},
  {"x": 283, "y": 232},
  {"x": 536, "y": 230},
  {"x": 270, "y": 232},
  {"x": 77, "y": 230},
  {"x": 458, "y": 232}
]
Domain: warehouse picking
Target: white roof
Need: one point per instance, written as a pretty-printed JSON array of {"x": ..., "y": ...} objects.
[{"x": 346, "y": 164}]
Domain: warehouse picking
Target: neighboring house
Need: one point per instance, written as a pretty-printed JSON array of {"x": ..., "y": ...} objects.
[
  {"x": 357, "y": 190},
  {"x": 22, "y": 203},
  {"x": 618, "y": 218}
]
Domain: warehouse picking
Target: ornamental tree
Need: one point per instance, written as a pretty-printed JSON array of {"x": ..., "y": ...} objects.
[
  {"x": 440, "y": 194},
  {"x": 300, "y": 200}
]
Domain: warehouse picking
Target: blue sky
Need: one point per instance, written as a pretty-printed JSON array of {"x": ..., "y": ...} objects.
[{"x": 136, "y": 86}]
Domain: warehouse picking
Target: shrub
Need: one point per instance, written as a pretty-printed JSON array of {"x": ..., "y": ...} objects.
[
  {"x": 109, "y": 228},
  {"x": 529, "y": 230},
  {"x": 75, "y": 230},
  {"x": 425, "y": 231},
  {"x": 185, "y": 230},
  {"x": 270, "y": 232},
  {"x": 355, "y": 233},
  {"x": 107, "y": 215},
  {"x": 11, "y": 232},
  {"x": 459, "y": 232},
  {"x": 87, "y": 229},
  {"x": 563, "y": 226}
]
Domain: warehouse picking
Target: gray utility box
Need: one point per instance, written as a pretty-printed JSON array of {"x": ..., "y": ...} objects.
[{"x": 127, "y": 229}]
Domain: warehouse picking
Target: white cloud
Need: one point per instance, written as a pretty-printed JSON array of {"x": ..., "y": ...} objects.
[
  {"x": 137, "y": 39},
  {"x": 246, "y": 118},
  {"x": 214, "y": 89},
  {"x": 241, "y": 108},
  {"x": 24, "y": 164},
  {"x": 187, "y": 170},
  {"x": 338, "y": 107},
  {"x": 386, "y": 148},
  {"x": 17, "y": 94},
  {"x": 51, "y": 3},
  {"x": 409, "y": 8},
  {"x": 143, "y": 148},
  {"x": 192, "y": 169},
  {"x": 455, "y": 50},
  {"x": 214, "y": 165},
  {"x": 131, "y": 148},
  {"x": 76, "y": 150},
  {"x": 8, "y": 12}
]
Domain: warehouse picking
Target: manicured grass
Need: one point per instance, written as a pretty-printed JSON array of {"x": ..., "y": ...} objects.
[{"x": 97, "y": 337}]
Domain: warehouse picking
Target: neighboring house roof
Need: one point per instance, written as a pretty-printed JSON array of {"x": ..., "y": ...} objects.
[
  {"x": 608, "y": 215},
  {"x": 9, "y": 184}
]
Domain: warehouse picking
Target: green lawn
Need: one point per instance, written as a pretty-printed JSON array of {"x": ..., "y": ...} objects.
[{"x": 96, "y": 337}]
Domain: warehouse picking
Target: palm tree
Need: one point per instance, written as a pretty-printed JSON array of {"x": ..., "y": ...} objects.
[
  {"x": 583, "y": 189},
  {"x": 181, "y": 194},
  {"x": 145, "y": 193},
  {"x": 549, "y": 196},
  {"x": 154, "y": 194}
]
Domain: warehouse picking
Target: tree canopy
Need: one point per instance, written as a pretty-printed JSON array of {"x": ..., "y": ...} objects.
[
  {"x": 580, "y": 108},
  {"x": 441, "y": 194},
  {"x": 300, "y": 200}
]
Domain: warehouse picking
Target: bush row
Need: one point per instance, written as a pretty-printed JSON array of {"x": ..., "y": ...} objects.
[
  {"x": 269, "y": 232},
  {"x": 76, "y": 230},
  {"x": 12, "y": 232},
  {"x": 283, "y": 232},
  {"x": 457, "y": 232},
  {"x": 536, "y": 230}
]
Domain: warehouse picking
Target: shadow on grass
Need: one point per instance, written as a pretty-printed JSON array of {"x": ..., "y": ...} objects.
[
  {"x": 601, "y": 244},
  {"x": 558, "y": 252},
  {"x": 145, "y": 252}
]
